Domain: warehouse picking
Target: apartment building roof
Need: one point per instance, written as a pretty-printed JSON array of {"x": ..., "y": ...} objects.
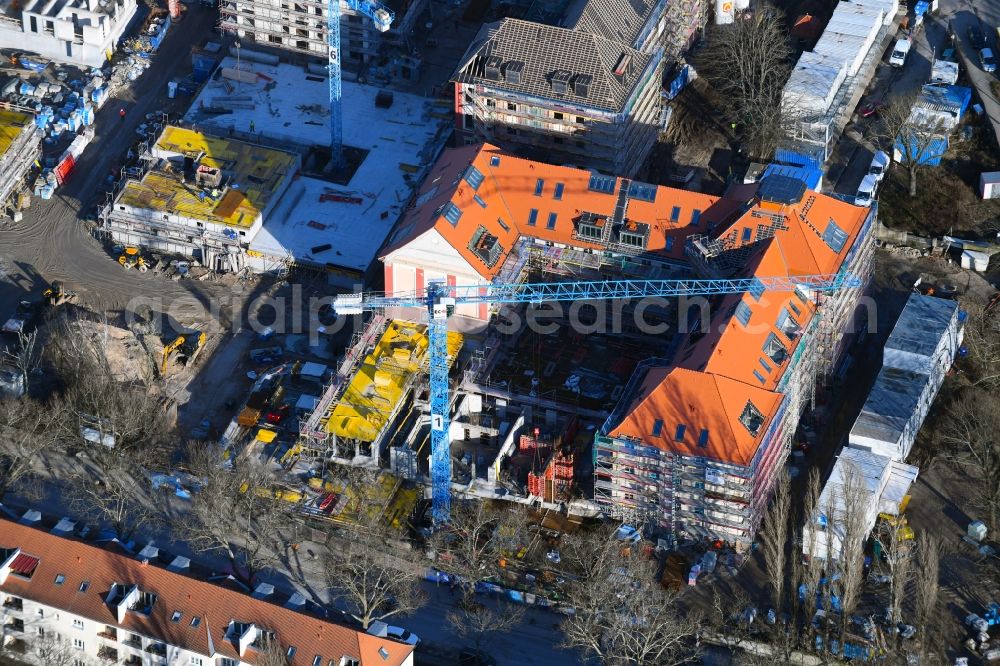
[
  {"x": 482, "y": 200},
  {"x": 12, "y": 123},
  {"x": 751, "y": 338},
  {"x": 617, "y": 20},
  {"x": 698, "y": 414},
  {"x": 922, "y": 324},
  {"x": 78, "y": 577},
  {"x": 251, "y": 177},
  {"x": 570, "y": 66}
]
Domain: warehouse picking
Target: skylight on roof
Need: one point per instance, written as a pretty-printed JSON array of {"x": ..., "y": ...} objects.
[
  {"x": 752, "y": 419},
  {"x": 557, "y": 195},
  {"x": 599, "y": 183},
  {"x": 703, "y": 439},
  {"x": 84, "y": 586},
  {"x": 551, "y": 224},
  {"x": 452, "y": 213},
  {"x": 495, "y": 161},
  {"x": 382, "y": 652},
  {"x": 532, "y": 217},
  {"x": 834, "y": 236},
  {"x": 743, "y": 313},
  {"x": 539, "y": 187},
  {"x": 642, "y": 191},
  {"x": 479, "y": 200},
  {"x": 176, "y": 617},
  {"x": 657, "y": 427},
  {"x": 60, "y": 579},
  {"x": 675, "y": 214},
  {"x": 679, "y": 433},
  {"x": 473, "y": 176},
  {"x": 756, "y": 289},
  {"x": 695, "y": 217},
  {"x": 195, "y": 621}
]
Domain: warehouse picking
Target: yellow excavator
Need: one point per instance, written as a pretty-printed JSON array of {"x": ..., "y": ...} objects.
[
  {"x": 186, "y": 346},
  {"x": 56, "y": 294},
  {"x": 131, "y": 258}
]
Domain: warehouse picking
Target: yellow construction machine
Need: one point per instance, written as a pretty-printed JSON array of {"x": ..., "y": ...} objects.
[
  {"x": 56, "y": 294},
  {"x": 187, "y": 347},
  {"x": 131, "y": 258}
]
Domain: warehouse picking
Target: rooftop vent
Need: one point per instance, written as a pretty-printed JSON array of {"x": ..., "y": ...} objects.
[
  {"x": 493, "y": 68},
  {"x": 623, "y": 66},
  {"x": 512, "y": 71},
  {"x": 581, "y": 84},
  {"x": 560, "y": 80}
]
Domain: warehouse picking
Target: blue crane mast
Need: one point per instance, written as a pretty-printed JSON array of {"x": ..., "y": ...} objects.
[
  {"x": 440, "y": 300},
  {"x": 383, "y": 17}
]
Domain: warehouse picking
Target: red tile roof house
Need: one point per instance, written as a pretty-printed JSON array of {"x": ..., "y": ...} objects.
[
  {"x": 111, "y": 606},
  {"x": 695, "y": 441}
]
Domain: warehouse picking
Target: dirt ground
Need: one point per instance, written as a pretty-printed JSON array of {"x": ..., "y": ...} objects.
[{"x": 956, "y": 182}]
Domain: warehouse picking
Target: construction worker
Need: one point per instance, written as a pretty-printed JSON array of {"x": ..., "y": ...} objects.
[
  {"x": 251, "y": 127},
  {"x": 121, "y": 113}
]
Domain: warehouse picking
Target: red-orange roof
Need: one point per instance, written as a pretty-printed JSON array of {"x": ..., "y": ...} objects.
[
  {"x": 78, "y": 562},
  {"x": 748, "y": 357},
  {"x": 697, "y": 414},
  {"x": 503, "y": 202}
]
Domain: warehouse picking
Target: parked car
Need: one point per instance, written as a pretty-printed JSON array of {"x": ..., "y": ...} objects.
[
  {"x": 988, "y": 61},
  {"x": 383, "y": 630},
  {"x": 871, "y": 109},
  {"x": 879, "y": 165},
  {"x": 976, "y": 37}
]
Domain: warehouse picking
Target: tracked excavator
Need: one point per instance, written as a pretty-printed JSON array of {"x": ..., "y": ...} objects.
[{"x": 184, "y": 347}]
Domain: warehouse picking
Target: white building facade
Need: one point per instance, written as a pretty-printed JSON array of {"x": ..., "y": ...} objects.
[{"x": 78, "y": 32}]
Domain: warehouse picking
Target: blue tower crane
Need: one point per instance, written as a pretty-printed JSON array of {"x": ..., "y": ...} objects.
[
  {"x": 383, "y": 17},
  {"x": 440, "y": 299}
]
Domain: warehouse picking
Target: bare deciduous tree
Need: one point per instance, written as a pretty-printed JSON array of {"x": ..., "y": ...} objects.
[
  {"x": 483, "y": 622},
  {"x": 50, "y": 650},
  {"x": 899, "y": 559},
  {"x": 25, "y": 356},
  {"x": 476, "y": 541},
  {"x": 927, "y": 586},
  {"x": 982, "y": 340},
  {"x": 971, "y": 425},
  {"x": 747, "y": 63},
  {"x": 271, "y": 651},
  {"x": 846, "y": 518},
  {"x": 808, "y": 573},
  {"x": 622, "y": 614},
  {"x": 115, "y": 490},
  {"x": 235, "y": 512},
  {"x": 774, "y": 539},
  {"x": 25, "y": 439},
  {"x": 911, "y": 136}
]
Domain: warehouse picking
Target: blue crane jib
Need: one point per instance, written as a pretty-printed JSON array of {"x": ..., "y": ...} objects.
[
  {"x": 440, "y": 299},
  {"x": 383, "y": 17}
]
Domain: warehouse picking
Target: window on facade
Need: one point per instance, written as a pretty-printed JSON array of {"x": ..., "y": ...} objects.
[
  {"x": 511, "y": 106},
  {"x": 78, "y": 624},
  {"x": 78, "y": 643},
  {"x": 195, "y": 661},
  {"x": 670, "y": 243},
  {"x": 633, "y": 240},
  {"x": 33, "y": 23}
]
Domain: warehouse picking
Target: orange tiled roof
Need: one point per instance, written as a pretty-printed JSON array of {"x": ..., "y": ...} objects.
[
  {"x": 216, "y": 606},
  {"x": 502, "y": 205},
  {"x": 750, "y": 356},
  {"x": 708, "y": 406}
]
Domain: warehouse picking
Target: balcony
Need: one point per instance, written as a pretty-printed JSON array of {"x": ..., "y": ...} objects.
[
  {"x": 107, "y": 654},
  {"x": 159, "y": 649},
  {"x": 133, "y": 642},
  {"x": 14, "y": 603},
  {"x": 14, "y": 626},
  {"x": 109, "y": 633},
  {"x": 133, "y": 661}
]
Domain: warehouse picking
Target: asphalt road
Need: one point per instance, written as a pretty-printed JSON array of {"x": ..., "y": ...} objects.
[{"x": 51, "y": 243}]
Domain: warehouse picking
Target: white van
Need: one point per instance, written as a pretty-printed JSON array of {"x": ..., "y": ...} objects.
[
  {"x": 899, "y": 52},
  {"x": 879, "y": 166},
  {"x": 866, "y": 191}
]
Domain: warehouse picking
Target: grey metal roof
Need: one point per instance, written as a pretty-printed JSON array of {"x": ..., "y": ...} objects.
[
  {"x": 617, "y": 20},
  {"x": 545, "y": 50},
  {"x": 922, "y": 324},
  {"x": 890, "y": 404}
]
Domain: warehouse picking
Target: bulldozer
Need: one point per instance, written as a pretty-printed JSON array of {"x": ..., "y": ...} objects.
[
  {"x": 131, "y": 258},
  {"x": 56, "y": 294},
  {"x": 186, "y": 347}
]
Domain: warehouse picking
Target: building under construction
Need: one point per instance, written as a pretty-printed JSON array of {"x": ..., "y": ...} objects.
[
  {"x": 587, "y": 91},
  {"x": 20, "y": 149},
  {"x": 300, "y": 27}
]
